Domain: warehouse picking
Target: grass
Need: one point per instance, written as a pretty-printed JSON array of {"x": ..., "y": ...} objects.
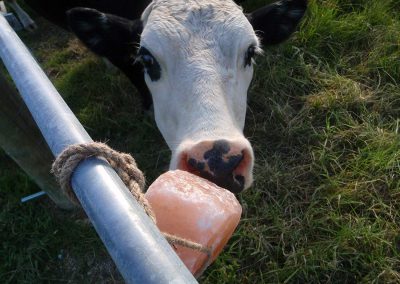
[{"x": 323, "y": 118}]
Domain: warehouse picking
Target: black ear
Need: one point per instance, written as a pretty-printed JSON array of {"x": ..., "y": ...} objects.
[
  {"x": 112, "y": 37},
  {"x": 274, "y": 23},
  {"x": 105, "y": 34}
]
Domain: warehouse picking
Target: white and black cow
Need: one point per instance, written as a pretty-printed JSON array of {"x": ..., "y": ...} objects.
[{"x": 197, "y": 58}]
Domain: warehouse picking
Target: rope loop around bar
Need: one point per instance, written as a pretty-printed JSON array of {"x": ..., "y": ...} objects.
[
  {"x": 122, "y": 163},
  {"x": 126, "y": 168}
]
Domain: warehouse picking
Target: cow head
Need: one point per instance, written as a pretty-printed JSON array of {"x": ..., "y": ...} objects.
[{"x": 197, "y": 57}]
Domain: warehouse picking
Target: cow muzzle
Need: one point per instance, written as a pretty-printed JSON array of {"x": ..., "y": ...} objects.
[{"x": 229, "y": 164}]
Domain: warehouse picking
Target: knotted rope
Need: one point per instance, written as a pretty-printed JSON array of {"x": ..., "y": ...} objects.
[{"x": 126, "y": 168}]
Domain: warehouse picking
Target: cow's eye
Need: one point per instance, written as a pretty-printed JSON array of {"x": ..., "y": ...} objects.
[
  {"x": 147, "y": 60},
  {"x": 149, "y": 63},
  {"x": 251, "y": 51}
]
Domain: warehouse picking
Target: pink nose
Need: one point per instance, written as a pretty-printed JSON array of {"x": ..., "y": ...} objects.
[{"x": 228, "y": 164}]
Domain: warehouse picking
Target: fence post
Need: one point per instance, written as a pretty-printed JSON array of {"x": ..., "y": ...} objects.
[{"x": 21, "y": 139}]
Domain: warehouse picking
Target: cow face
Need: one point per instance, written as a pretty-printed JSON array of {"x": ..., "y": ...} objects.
[{"x": 197, "y": 58}]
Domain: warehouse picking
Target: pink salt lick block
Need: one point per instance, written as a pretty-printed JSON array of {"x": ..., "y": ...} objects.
[{"x": 193, "y": 208}]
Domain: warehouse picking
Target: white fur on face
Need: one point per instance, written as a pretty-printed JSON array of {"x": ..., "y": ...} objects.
[{"x": 200, "y": 46}]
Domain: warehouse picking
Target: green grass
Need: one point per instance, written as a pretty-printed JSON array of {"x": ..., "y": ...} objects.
[{"x": 323, "y": 117}]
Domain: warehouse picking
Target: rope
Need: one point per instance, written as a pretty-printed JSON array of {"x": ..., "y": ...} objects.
[
  {"x": 126, "y": 168},
  {"x": 122, "y": 163}
]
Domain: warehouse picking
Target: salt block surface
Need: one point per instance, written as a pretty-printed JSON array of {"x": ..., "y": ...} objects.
[{"x": 196, "y": 209}]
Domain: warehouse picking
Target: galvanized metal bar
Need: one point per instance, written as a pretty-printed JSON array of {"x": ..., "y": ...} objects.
[
  {"x": 140, "y": 252},
  {"x": 33, "y": 196}
]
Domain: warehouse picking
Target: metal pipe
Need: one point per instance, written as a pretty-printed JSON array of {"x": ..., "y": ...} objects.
[
  {"x": 140, "y": 252},
  {"x": 32, "y": 196}
]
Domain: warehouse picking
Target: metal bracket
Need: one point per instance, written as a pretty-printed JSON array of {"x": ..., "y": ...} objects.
[{"x": 13, "y": 21}]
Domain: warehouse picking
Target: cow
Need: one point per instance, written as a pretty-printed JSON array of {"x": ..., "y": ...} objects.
[{"x": 193, "y": 59}]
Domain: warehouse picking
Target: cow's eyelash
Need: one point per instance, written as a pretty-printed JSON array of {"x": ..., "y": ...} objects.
[{"x": 251, "y": 51}]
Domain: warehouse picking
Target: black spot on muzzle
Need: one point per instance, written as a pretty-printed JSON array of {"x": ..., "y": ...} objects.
[{"x": 218, "y": 166}]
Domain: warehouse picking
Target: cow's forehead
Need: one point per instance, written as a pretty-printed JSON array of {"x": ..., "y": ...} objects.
[
  {"x": 180, "y": 9},
  {"x": 188, "y": 19}
]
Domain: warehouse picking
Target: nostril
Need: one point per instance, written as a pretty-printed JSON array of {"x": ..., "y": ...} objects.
[{"x": 245, "y": 162}]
